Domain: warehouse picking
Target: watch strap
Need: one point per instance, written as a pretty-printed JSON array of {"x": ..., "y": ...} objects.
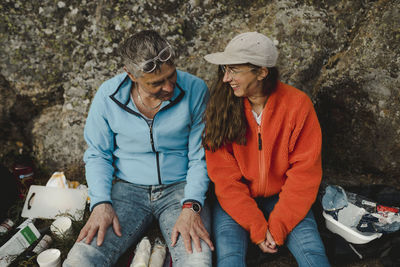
[{"x": 194, "y": 206}]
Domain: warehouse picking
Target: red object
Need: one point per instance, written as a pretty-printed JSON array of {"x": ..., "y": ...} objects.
[
  {"x": 385, "y": 209},
  {"x": 282, "y": 156},
  {"x": 187, "y": 205},
  {"x": 24, "y": 176}
]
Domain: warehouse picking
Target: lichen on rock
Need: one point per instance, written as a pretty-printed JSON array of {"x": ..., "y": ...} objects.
[{"x": 55, "y": 54}]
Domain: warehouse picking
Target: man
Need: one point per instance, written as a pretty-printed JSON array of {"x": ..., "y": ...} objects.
[{"x": 144, "y": 129}]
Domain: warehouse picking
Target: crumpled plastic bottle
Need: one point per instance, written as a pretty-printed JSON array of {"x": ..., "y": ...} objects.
[
  {"x": 157, "y": 256},
  {"x": 142, "y": 253}
]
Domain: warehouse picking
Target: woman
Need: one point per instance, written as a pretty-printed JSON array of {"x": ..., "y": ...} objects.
[{"x": 263, "y": 153}]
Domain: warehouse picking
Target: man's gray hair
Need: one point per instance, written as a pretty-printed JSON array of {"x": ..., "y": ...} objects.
[{"x": 140, "y": 47}]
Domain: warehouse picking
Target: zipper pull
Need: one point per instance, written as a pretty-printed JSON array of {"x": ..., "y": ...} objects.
[{"x": 259, "y": 138}]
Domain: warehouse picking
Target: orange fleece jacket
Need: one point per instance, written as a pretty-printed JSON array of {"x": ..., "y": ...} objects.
[{"x": 282, "y": 156}]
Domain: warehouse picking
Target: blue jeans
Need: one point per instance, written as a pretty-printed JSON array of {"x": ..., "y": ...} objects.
[
  {"x": 231, "y": 239},
  {"x": 136, "y": 207}
]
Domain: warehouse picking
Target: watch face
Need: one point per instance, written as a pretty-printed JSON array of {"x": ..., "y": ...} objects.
[{"x": 196, "y": 207}]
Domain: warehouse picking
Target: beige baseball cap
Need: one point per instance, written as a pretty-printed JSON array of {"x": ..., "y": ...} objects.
[{"x": 248, "y": 47}]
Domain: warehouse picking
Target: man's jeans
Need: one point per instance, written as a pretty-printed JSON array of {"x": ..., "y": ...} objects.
[
  {"x": 137, "y": 206},
  {"x": 231, "y": 239}
]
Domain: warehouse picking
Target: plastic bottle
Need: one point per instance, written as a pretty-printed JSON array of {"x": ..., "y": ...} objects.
[
  {"x": 11, "y": 232},
  {"x": 6, "y": 226},
  {"x": 142, "y": 254},
  {"x": 157, "y": 256},
  {"x": 42, "y": 245}
]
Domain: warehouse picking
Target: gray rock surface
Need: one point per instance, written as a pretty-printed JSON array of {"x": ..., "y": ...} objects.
[
  {"x": 344, "y": 54},
  {"x": 358, "y": 96}
]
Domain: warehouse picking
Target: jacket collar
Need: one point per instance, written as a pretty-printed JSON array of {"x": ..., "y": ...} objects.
[
  {"x": 121, "y": 96},
  {"x": 269, "y": 106}
]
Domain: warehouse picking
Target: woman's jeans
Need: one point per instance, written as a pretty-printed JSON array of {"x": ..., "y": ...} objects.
[
  {"x": 231, "y": 239},
  {"x": 136, "y": 207}
]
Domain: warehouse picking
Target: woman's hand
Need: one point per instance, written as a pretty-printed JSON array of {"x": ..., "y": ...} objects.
[{"x": 268, "y": 245}]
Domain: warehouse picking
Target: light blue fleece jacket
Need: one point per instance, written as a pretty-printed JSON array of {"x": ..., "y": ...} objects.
[{"x": 121, "y": 144}]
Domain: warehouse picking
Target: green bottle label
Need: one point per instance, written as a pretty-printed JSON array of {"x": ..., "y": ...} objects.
[{"x": 29, "y": 235}]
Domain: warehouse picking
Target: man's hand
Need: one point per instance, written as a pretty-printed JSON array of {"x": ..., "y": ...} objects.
[
  {"x": 190, "y": 226},
  {"x": 268, "y": 245},
  {"x": 102, "y": 216}
]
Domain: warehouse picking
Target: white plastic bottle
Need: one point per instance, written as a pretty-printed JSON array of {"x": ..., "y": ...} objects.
[
  {"x": 157, "y": 256},
  {"x": 142, "y": 254}
]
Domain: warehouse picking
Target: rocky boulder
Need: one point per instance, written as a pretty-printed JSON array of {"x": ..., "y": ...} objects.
[{"x": 344, "y": 54}]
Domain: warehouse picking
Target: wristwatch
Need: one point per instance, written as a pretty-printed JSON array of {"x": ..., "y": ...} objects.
[{"x": 196, "y": 207}]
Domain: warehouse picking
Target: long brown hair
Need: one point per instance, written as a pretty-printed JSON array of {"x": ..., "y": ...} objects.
[{"x": 225, "y": 121}]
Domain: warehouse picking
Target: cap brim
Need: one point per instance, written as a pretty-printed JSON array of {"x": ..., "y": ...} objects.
[{"x": 222, "y": 58}]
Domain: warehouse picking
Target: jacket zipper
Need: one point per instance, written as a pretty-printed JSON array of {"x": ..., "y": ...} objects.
[
  {"x": 154, "y": 150},
  {"x": 124, "y": 107},
  {"x": 153, "y": 147},
  {"x": 261, "y": 163}
]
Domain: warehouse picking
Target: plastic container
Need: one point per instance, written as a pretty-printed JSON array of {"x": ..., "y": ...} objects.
[
  {"x": 345, "y": 226},
  {"x": 61, "y": 227},
  {"x": 49, "y": 258},
  {"x": 25, "y": 177}
]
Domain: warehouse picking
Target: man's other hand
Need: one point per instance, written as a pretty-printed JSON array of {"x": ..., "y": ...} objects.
[
  {"x": 190, "y": 226},
  {"x": 102, "y": 216}
]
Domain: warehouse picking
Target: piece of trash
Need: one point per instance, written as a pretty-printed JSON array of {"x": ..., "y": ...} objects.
[
  {"x": 73, "y": 184},
  {"x": 57, "y": 180},
  {"x": 334, "y": 198},
  {"x": 361, "y": 201},
  {"x": 7, "y": 236},
  {"x": 157, "y": 256},
  {"x": 6, "y": 226},
  {"x": 18, "y": 243},
  {"x": 61, "y": 227},
  {"x": 25, "y": 223},
  {"x": 384, "y": 222},
  {"x": 142, "y": 254},
  {"x": 50, "y": 202},
  {"x": 25, "y": 178},
  {"x": 366, "y": 223},
  {"x": 43, "y": 244},
  {"x": 49, "y": 258},
  {"x": 381, "y": 208}
]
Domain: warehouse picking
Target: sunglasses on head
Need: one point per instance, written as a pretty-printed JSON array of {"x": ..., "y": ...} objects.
[{"x": 150, "y": 65}]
